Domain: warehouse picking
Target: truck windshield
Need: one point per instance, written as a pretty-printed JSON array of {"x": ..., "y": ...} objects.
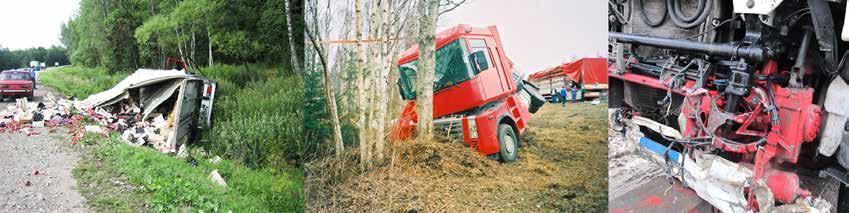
[{"x": 452, "y": 68}]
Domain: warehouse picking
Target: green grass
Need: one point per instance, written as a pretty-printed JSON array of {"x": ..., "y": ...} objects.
[
  {"x": 259, "y": 120},
  {"x": 170, "y": 184},
  {"x": 257, "y": 126},
  {"x": 79, "y": 81}
]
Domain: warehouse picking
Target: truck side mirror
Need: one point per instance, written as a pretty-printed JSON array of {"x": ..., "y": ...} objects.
[{"x": 478, "y": 60}]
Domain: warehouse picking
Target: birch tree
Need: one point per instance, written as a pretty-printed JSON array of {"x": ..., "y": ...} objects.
[
  {"x": 361, "y": 82},
  {"x": 331, "y": 101},
  {"x": 428, "y": 13}
]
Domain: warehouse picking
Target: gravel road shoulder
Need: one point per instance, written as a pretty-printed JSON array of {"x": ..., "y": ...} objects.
[{"x": 35, "y": 171}]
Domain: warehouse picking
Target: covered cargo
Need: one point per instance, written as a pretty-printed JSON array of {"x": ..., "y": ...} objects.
[{"x": 589, "y": 73}]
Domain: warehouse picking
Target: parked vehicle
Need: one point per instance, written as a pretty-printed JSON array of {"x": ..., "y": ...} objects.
[
  {"x": 16, "y": 84},
  {"x": 739, "y": 97},
  {"x": 478, "y": 98},
  {"x": 589, "y": 73}
]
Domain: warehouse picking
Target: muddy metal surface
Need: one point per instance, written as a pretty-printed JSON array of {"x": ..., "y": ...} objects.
[
  {"x": 35, "y": 171},
  {"x": 639, "y": 184}
]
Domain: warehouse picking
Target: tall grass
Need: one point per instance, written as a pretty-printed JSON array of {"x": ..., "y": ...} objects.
[
  {"x": 259, "y": 119},
  {"x": 80, "y": 82}
]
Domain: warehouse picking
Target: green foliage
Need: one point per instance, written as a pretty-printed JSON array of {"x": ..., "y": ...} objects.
[
  {"x": 124, "y": 35},
  {"x": 257, "y": 122},
  {"x": 12, "y": 59},
  {"x": 317, "y": 117},
  {"x": 175, "y": 185},
  {"x": 79, "y": 81}
]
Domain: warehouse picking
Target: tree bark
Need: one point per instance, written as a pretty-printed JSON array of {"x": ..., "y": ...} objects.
[
  {"x": 331, "y": 100},
  {"x": 293, "y": 54},
  {"x": 386, "y": 64},
  {"x": 209, "y": 46},
  {"x": 424, "y": 89},
  {"x": 361, "y": 83}
]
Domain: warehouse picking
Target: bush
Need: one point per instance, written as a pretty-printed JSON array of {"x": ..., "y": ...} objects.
[{"x": 258, "y": 122}]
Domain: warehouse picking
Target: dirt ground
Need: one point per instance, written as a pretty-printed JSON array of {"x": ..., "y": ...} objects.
[
  {"x": 561, "y": 168},
  {"x": 35, "y": 171}
]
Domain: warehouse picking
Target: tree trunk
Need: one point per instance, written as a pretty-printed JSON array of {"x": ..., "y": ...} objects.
[
  {"x": 331, "y": 100},
  {"x": 382, "y": 84},
  {"x": 361, "y": 83},
  {"x": 209, "y": 46},
  {"x": 424, "y": 88},
  {"x": 293, "y": 54},
  {"x": 192, "y": 55},
  {"x": 180, "y": 45}
]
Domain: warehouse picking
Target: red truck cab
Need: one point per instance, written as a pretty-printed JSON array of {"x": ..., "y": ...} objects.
[
  {"x": 15, "y": 83},
  {"x": 478, "y": 98}
]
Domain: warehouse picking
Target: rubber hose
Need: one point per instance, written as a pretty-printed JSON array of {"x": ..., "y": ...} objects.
[
  {"x": 676, "y": 18},
  {"x": 646, "y": 17},
  {"x": 679, "y": 10}
]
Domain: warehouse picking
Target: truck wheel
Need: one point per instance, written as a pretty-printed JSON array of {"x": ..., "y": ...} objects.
[
  {"x": 537, "y": 100},
  {"x": 508, "y": 143}
]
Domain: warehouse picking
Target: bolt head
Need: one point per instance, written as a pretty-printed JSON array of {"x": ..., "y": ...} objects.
[{"x": 750, "y": 4}]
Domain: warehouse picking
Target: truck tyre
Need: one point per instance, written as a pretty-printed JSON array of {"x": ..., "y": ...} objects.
[
  {"x": 537, "y": 100},
  {"x": 508, "y": 143}
]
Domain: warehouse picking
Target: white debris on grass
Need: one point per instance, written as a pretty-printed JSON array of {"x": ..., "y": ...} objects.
[
  {"x": 215, "y": 160},
  {"x": 216, "y": 178}
]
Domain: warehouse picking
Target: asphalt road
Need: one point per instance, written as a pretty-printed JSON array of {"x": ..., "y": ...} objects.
[{"x": 35, "y": 171}]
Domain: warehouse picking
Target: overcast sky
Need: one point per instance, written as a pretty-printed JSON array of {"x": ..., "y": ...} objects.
[
  {"x": 33, "y": 23},
  {"x": 539, "y": 33}
]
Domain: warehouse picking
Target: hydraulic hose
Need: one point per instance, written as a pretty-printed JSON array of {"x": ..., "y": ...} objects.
[
  {"x": 680, "y": 11},
  {"x": 678, "y": 17},
  {"x": 646, "y": 17}
]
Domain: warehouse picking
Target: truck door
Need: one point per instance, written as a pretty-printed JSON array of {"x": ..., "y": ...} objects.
[
  {"x": 487, "y": 77},
  {"x": 190, "y": 99}
]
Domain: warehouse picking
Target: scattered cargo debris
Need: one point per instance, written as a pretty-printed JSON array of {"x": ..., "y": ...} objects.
[
  {"x": 160, "y": 108},
  {"x": 216, "y": 177},
  {"x": 215, "y": 160}
]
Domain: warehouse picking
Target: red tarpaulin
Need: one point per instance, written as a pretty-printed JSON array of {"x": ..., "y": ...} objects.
[{"x": 589, "y": 70}]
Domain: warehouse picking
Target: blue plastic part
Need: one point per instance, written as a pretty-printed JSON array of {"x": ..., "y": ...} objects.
[{"x": 659, "y": 149}]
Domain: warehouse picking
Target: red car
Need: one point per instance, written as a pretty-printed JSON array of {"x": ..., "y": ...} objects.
[{"x": 16, "y": 84}]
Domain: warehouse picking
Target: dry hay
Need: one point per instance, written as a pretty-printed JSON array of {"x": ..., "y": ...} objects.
[{"x": 561, "y": 167}]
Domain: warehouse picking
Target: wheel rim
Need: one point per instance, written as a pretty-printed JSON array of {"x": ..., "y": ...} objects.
[{"x": 509, "y": 145}]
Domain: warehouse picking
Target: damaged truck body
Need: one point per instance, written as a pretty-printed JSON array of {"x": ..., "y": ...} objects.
[
  {"x": 162, "y": 108},
  {"x": 738, "y": 99},
  {"x": 478, "y": 98}
]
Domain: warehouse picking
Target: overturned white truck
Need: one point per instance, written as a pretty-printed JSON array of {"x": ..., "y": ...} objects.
[{"x": 162, "y": 108}]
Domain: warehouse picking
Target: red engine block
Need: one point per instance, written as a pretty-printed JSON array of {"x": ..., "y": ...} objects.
[{"x": 798, "y": 122}]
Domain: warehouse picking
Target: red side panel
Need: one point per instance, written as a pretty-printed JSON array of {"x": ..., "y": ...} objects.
[{"x": 589, "y": 70}]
